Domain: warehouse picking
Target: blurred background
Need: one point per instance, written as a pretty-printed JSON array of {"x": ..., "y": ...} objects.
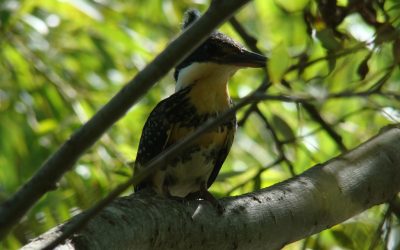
[{"x": 62, "y": 60}]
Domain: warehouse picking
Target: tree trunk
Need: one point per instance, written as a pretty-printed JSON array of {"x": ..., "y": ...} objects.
[{"x": 321, "y": 197}]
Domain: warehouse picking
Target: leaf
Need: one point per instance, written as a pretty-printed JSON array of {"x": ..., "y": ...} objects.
[
  {"x": 257, "y": 182},
  {"x": 396, "y": 51},
  {"x": 382, "y": 81},
  {"x": 292, "y": 6},
  {"x": 38, "y": 24},
  {"x": 331, "y": 60},
  {"x": 363, "y": 68},
  {"x": 46, "y": 126},
  {"x": 385, "y": 33},
  {"x": 87, "y": 8},
  {"x": 282, "y": 127},
  {"x": 226, "y": 175},
  {"x": 278, "y": 63},
  {"x": 108, "y": 61},
  {"x": 4, "y": 17},
  {"x": 343, "y": 239},
  {"x": 328, "y": 39}
]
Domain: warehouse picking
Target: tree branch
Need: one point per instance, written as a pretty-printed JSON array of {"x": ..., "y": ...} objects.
[
  {"x": 45, "y": 179},
  {"x": 319, "y": 198}
]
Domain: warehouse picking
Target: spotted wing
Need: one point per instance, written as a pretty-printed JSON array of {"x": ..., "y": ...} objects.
[
  {"x": 156, "y": 132},
  {"x": 223, "y": 153}
]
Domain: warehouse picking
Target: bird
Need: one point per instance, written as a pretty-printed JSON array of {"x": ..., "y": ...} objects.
[{"x": 201, "y": 94}]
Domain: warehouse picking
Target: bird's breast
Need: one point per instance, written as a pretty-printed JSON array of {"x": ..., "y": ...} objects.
[
  {"x": 216, "y": 137},
  {"x": 209, "y": 96},
  {"x": 184, "y": 174}
]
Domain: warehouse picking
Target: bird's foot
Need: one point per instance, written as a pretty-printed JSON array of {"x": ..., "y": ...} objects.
[{"x": 207, "y": 196}]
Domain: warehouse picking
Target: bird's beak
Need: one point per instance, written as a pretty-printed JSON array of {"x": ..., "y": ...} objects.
[{"x": 245, "y": 58}]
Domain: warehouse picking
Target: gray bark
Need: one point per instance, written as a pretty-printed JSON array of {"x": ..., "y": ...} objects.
[{"x": 321, "y": 197}]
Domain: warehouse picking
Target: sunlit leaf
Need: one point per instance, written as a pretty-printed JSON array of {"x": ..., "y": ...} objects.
[
  {"x": 278, "y": 63},
  {"x": 46, "y": 126},
  {"x": 342, "y": 239},
  {"x": 282, "y": 127}
]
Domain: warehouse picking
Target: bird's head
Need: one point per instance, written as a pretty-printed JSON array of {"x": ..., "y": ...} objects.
[{"x": 218, "y": 56}]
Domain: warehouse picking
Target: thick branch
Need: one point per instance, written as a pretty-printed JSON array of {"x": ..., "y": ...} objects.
[
  {"x": 321, "y": 197},
  {"x": 65, "y": 157}
]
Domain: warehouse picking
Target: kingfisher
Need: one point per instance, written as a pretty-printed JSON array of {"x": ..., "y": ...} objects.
[{"x": 201, "y": 94}]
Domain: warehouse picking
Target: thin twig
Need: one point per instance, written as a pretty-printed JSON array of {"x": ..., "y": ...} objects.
[
  {"x": 339, "y": 54},
  {"x": 277, "y": 141},
  {"x": 316, "y": 116}
]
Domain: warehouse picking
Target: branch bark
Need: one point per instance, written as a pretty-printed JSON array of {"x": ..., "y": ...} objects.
[
  {"x": 319, "y": 198},
  {"x": 45, "y": 179}
]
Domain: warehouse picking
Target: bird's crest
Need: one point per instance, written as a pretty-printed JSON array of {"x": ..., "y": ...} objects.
[{"x": 191, "y": 16}]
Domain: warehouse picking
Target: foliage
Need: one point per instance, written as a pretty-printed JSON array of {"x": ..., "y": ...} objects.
[{"x": 60, "y": 61}]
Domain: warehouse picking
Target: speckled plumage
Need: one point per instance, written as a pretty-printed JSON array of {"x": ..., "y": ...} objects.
[
  {"x": 170, "y": 121},
  {"x": 201, "y": 94}
]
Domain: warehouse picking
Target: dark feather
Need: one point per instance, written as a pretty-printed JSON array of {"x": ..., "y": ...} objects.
[
  {"x": 169, "y": 115},
  {"x": 191, "y": 16},
  {"x": 223, "y": 153},
  {"x": 157, "y": 129}
]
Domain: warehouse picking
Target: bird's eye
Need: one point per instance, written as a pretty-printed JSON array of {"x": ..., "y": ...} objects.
[
  {"x": 209, "y": 49},
  {"x": 206, "y": 47}
]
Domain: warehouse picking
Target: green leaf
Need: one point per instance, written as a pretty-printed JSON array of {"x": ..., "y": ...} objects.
[
  {"x": 284, "y": 129},
  {"x": 278, "y": 62},
  {"x": 342, "y": 239},
  {"x": 46, "y": 126}
]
